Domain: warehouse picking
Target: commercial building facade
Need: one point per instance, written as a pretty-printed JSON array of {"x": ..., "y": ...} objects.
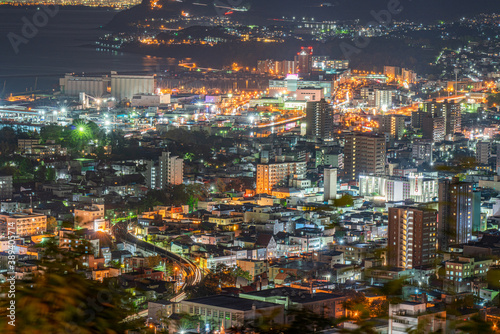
[{"x": 394, "y": 189}]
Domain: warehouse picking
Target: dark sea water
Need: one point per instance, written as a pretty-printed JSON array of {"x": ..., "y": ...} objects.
[{"x": 63, "y": 45}]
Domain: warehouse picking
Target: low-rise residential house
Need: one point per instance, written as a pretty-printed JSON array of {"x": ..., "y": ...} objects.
[
  {"x": 407, "y": 316},
  {"x": 253, "y": 267}
]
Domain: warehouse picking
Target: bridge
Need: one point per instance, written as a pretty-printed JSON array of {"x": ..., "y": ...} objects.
[{"x": 192, "y": 273}]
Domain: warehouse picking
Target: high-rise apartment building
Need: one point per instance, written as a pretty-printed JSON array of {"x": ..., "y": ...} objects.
[
  {"x": 364, "y": 153},
  {"x": 422, "y": 150},
  {"x": 319, "y": 119},
  {"x": 433, "y": 128},
  {"x": 449, "y": 111},
  {"x": 417, "y": 119},
  {"x": 397, "y": 126},
  {"x": 168, "y": 170},
  {"x": 304, "y": 61},
  {"x": 412, "y": 236},
  {"x": 383, "y": 98},
  {"x": 330, "y": 183},
  {"x": 377, "y": 96},
  {"x": 483, "y": 150},
  {"x": 456, "y": 200},
  {"x": 392, "y": 124},
  {"x": 6, "y": 188},
  {"x": 279, "y": 173}
]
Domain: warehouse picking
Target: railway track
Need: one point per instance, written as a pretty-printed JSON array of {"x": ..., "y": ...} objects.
[{"x": 192, "y": 273}]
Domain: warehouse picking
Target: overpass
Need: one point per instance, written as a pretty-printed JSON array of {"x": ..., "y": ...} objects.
[
  {"x": 407, "y": 110},
  {"x": 192, "y": 273}
]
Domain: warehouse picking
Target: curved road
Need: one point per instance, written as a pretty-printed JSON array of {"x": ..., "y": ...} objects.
[{"x": 192, "y": 273}]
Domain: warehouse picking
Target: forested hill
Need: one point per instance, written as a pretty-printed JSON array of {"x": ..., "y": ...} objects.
[{"x": 259, "y": 11}]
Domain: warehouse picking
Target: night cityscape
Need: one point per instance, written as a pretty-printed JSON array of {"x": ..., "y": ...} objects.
[{"x": 249, "y": 166}]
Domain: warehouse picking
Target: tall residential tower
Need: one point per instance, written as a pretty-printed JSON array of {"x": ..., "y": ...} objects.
[{"x": 364, "y": 153}]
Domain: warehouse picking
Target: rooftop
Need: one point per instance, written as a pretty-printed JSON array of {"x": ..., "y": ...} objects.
[
  {"x": 230, "y": 302},
  {"x": 295, "y": 295}
]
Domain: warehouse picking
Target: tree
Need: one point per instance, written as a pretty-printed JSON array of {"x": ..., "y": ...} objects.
[
  {"x": 264, "y": 323},
  {"x": 41, "y": 173},
  {"x": 100, "y": 152},
  {"x": 283, "y": 203},
  {"x": 51, "y": 174},
  {"x": 60, "y": 300},
  {"x": 236, "y": 185},
  {"x": 52, "y": 132},
  {"x": 153, "y": 198},
  {"x": 220, "y": 276},
  {"x": 8, "y": 140},
  {"x": 334, "y": 222},
  {"x": 493, "y": 100},
  {"x": 192, "y": 202},
  {"x": 306, "y": 321},
  {"x": 153, "y": 261},
  {"x": 51, "y": 224},
  {"x": 26, "y": 168},
  {"x": 189, "y": 156},
  {"x": 209, "y": 286},
  {"x": 345, "y": 200},
  {"x": 357, "y": 305},
  {"x": 476, "y": 325},
  {"x": 238, "y": 272},
  {"x": 220, "y": 185}
]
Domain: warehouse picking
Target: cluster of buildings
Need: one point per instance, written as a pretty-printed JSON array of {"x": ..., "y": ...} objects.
[
  {"x": 321, "y": 187},
  {"x": 305, "y": 63}
]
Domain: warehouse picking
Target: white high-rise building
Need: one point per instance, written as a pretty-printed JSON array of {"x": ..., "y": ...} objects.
[
  {"x": 330, "y": 178},
  {"x": 168, "y": 170},
  {"x": 383, "y": 99}
]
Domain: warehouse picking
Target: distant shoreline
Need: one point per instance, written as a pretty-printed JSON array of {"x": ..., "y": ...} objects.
[{"x": 29, "y": 6}]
